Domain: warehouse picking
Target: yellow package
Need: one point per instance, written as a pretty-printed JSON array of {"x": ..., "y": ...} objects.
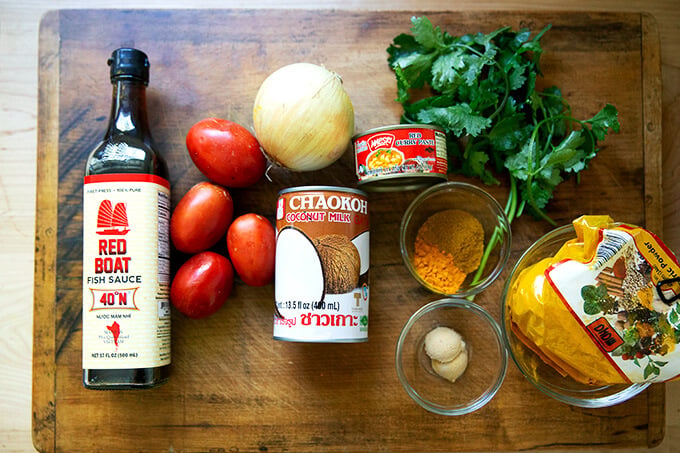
[{"x": 603, "y": 309}]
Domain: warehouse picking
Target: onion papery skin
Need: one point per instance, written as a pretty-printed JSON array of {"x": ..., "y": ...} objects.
[{"x": 303, "y": 117}]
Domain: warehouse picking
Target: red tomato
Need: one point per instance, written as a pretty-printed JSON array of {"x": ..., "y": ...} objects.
[
  {"x": 251, "y": 241},
  {"x": 202, "y": 285},
  {"x": 201, "y": 217},
  {"x": 226, "y": 152}
]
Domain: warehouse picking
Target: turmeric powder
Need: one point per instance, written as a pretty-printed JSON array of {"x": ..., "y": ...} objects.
[
  {"x": 449, "y": 245},
  {"x": 437, "y": 267}
]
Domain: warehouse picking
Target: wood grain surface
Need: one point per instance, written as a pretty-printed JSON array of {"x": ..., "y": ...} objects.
[{"x": 232, "y": 385}]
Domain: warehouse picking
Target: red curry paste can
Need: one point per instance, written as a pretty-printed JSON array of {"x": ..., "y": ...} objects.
[
  {"x": 321, "y": 282},
  {"x": 401, "y": 157}
]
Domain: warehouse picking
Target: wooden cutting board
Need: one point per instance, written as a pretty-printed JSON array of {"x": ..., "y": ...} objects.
[{"x": 233, "y": 388}]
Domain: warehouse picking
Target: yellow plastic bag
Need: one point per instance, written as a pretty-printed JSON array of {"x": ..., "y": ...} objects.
[{"x": 602, "y": 310}]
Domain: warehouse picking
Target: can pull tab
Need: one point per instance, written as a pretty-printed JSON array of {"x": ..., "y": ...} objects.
[{"x": 666, "y": 284}]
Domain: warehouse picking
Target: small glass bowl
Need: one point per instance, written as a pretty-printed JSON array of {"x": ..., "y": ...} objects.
[
  {"x": 534, "y": 369},
  {"x": 487, "y": 358},
  {"x": 476, "y": 201}
]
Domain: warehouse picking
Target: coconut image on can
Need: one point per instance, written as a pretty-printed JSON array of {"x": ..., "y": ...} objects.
[{"x": 322, "y": 265}]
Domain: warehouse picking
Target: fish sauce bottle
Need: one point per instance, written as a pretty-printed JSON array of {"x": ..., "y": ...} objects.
[{"x": 126, "y": 252}]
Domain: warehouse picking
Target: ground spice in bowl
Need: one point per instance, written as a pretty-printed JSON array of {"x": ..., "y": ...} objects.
[{"x": 448, "y": 246}]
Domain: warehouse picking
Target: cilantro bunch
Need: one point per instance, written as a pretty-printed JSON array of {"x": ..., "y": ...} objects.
[{"x": 481, "y": 89}]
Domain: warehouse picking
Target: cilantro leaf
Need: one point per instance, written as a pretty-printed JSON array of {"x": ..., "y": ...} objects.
[
  {"x": 568, "y": 155},
  {"x": 445, "y": 76},
  {"x": 458, "y": 119},
  {"x": 475, "y": 164},
  {"x": 413, "y": 72},
  {"x": 519, "y": 164},
  {"x": 483, "y": 92},
  {"x": 605, "y": 119},
  {"x": 403, "y": 86},
  {"x": 536, "y": 195},
  {"x": 508, "y": 133},
  {"x": 426, "y": 34}
]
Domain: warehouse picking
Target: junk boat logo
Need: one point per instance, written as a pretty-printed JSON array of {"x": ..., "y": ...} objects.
[{"x": 112, "y": 220}]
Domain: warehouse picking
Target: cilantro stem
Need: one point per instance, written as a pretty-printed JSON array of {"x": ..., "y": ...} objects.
[
  {"x": 510, "y": 212},
  {"x": 484, "y": 96},
  {"x": 495, "y": 236},
  {"x": 532, "y": 202},
  {"x": 511, "y": 204},
  {"x": 533, "y": 158}
]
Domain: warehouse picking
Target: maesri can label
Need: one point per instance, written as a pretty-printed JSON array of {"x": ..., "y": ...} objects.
[
  {"x": 322, "y": 264},
  {"x": 401, "y": 157}
]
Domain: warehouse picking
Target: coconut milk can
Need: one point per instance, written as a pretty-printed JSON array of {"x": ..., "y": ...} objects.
[{"x": 322, "y": 264}]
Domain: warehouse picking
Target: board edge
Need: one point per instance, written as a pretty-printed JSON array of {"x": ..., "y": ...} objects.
[
  {"x": 651, "y": 94},
  {"x": 44, "y": 360}
]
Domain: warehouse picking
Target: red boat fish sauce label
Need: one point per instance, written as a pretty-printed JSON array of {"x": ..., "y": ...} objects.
[
  {"x": 126, "y": 271},
  {"x": 322, "y": 265},
  {"x": 401, "y": 157}
]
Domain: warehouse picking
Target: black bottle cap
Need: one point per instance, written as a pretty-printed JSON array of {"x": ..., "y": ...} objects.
[{"x": 129, "y": 63}]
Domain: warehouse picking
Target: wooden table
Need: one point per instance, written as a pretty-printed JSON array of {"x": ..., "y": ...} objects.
[
  {"x": 18, "y": 46},
  {"x": 232, "y": 385}
]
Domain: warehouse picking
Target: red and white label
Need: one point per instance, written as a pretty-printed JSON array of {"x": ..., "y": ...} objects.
[
  {"x": 126, "y": 271},
  {"x": 400, "y": 151}
]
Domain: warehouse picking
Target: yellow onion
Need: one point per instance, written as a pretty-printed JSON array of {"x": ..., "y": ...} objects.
[{"x": 302, "y": 116}]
